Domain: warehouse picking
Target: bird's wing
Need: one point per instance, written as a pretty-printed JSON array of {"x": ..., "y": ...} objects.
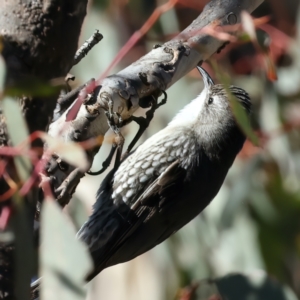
[
  {"x": 168, "y": 183},
  {"x": 157, "y": 196},
  {"x": 172, "y": 177}
]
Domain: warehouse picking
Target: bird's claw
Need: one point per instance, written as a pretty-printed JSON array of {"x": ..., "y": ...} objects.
[{"x": 115, "y": 122}]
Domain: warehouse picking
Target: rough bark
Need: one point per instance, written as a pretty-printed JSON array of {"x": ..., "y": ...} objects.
[{"x": 40, "y": 39}]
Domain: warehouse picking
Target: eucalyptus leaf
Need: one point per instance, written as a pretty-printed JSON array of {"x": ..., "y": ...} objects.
[
  {"x": 36, "y": 88},
  {"x": 256, "y": 285},
  {"x": 237, "y": 109},
  {"x": 253, "y": 286},
  {"x": 2, "y": 72},
  {"x": 70, "y": 152},
  {"x": 242, "y": 118},
  {"x": 18, "y": 133},
  {"x": 64, "y": 260}
]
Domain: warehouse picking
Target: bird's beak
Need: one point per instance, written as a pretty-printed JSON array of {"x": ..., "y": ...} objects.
[{"x": 208, "y": 82}]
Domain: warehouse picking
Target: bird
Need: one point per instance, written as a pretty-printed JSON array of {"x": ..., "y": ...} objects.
[{"x": 168, "y": 180}]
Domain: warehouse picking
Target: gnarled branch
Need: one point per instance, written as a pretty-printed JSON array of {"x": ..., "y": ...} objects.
[{"x": 154, "y": 72}]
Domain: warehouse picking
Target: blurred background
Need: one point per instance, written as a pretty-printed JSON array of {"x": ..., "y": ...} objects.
[{"x": 253, "y": 225}]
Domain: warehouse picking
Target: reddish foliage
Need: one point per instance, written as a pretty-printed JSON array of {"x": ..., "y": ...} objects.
[{"x": 4, "y": 217}]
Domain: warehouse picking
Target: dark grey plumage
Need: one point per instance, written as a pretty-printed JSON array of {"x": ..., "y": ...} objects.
[{"x": 167, "y": 181}]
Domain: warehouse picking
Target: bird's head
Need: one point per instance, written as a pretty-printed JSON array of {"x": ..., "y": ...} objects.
[
  {"x": 216, "y": 122},
  {"x": 217, "y": 94},
  {"x": 210, "y": 115}
]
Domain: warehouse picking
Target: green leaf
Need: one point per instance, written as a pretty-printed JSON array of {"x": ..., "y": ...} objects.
[
  {"x": 206, "y": 290},
  {"x": 242, "y": 118},
  {"x": 64, "y": 260},
  {"x": 24, "y": 254},
  {"x": 2, "y": 72},
  {"x": 102, "y": 4},
  {"x": 255, "y": 286},
  {"x": 70, "y": 152},
  {"x": 77, "y": 212},
  {"x": 237, "y": 109},
  {"x": 36, "y": 88},
  {"x": 18, "y": 132},
  {"x": 244, "y": 37},
  {"x": 248, "y": 25}
]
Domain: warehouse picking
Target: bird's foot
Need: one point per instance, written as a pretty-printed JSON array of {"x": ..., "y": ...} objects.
[{"x": 144, "y": 122}]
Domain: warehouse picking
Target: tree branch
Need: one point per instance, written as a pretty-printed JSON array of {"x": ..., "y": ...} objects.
[
  {"x": 87, "y": 46},
  {"x": 154, "y": 72}
]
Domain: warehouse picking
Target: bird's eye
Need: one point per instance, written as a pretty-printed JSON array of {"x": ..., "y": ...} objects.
[{"x": 210, "y": 100}]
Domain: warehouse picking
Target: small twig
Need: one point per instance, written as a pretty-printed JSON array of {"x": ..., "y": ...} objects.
[
  {"x": 87, "y": 46},
  {"x": 35, "y": 289},
  {"x": 68, "y": 186}
]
